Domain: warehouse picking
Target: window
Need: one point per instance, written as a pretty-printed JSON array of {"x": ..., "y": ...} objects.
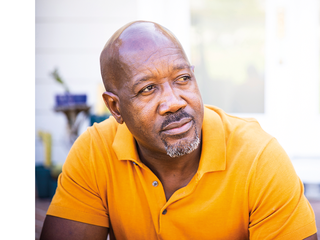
[{"x": 227, "y": 49}]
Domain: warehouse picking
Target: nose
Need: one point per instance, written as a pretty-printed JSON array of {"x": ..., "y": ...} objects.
[{"x": 171, "y": 100}]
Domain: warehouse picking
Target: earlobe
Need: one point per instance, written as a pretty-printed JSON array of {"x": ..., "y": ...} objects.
[{"x": 112, "y": 102}]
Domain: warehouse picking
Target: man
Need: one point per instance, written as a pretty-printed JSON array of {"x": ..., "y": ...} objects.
[{"x": 167, "y": 167}]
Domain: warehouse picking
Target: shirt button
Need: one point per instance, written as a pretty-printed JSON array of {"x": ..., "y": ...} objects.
[
  {"x": 135, "y": 163},
  {"x": 154, "y": 183},
  {"x": 164, "y": 212}
]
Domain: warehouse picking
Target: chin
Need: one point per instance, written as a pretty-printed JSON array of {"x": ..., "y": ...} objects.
[{"x": 183, "y": 146}]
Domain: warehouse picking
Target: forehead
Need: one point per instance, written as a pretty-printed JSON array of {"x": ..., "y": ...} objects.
[
  {"x": 165, "y": 57},
  {"x": 145, "y": 49},
  {"x": 152, "y": 57},
  {"x": 142, "y": 44}
]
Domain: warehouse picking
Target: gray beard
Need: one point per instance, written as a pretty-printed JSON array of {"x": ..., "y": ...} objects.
[{"x": 182, "y": 147}]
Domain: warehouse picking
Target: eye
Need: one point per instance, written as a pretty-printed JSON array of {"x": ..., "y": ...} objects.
[
  {"x": 183, "y": 79},
  {"x": 147, "y": 89}
]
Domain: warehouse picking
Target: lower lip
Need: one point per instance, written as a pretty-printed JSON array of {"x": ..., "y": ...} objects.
[{"x": 179, "y": 130}]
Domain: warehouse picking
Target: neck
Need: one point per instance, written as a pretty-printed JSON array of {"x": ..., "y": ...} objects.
[{"x": 174, "y": 173}]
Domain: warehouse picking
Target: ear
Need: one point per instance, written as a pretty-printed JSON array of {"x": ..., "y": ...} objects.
[{"x": 112, "y": 102}]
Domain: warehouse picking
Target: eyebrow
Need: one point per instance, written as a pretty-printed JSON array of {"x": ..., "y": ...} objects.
[
  {"x": 181, "y": 66},
  {"x": 147, "y": 77}
]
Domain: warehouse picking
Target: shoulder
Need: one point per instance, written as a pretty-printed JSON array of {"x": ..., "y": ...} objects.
[
  {"x": 89, "y": 157},
  {"x": 92, "y": 144},
  {"x": 102, "y": 133},
  {"x": 241, "y": 134}
]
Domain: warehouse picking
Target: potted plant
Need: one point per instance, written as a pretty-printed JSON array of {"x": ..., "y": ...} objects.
[{"x": 67, "y": 99}]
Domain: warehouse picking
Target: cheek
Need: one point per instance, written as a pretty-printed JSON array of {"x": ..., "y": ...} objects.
[
  {"x": 139, "y": 117},
  {"x": 146, "y": 109},
  {"x": 194, "y": 99},
  {"x": 196, "y": 104}
]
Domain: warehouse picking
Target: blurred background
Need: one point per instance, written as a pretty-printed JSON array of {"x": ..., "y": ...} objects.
[{"x": 253, "y": 58}]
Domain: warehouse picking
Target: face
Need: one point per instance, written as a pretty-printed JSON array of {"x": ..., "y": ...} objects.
[{"x": 159, "y": 100}]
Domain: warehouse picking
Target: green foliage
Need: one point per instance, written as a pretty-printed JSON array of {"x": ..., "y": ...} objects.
[{"x": 55, "y": 74}]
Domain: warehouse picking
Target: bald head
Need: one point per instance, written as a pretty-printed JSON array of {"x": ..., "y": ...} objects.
[{"x": 127, "y": 48}]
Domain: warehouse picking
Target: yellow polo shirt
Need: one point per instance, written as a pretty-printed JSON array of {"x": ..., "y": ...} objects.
[{"x": 245, "y": 187}]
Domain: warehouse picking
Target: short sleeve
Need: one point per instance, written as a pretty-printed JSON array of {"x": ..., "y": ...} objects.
[
  {"x": 77, "y": 196},
  {"x": 278, "y": 207}
]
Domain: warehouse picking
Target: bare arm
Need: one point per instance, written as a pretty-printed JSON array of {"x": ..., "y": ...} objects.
[
  {"x": 312, "y": 237},
  {"x": 55, "y": 228}
]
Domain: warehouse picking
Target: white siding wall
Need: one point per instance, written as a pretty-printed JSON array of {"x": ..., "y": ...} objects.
[{"x": 70, "y": 35}]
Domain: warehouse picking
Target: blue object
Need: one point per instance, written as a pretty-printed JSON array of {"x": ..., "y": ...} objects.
[
  {"x": 42, "y": 181},
  {"x": 46, "y": 185},
  {"x": 98, "y": 118},
  {"x": 68, "y": 99}
]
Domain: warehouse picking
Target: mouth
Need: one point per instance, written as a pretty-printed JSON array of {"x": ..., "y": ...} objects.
[{"x": 178, "y": 127}]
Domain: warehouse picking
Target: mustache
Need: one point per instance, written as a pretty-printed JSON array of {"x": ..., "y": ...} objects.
[{"x": 175, "y": 117}]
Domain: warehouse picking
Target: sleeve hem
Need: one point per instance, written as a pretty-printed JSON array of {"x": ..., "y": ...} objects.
[
  {"x": 78, "y": 216},
  {"x": 301, "y": 233}
]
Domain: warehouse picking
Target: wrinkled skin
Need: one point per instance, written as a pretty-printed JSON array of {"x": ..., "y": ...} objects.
[{"x": 156, "y": 81}]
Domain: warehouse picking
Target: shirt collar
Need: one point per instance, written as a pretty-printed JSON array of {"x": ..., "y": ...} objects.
[
  {"x": 124, "y": 145},
  {"x": 213, "y": 154}
]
